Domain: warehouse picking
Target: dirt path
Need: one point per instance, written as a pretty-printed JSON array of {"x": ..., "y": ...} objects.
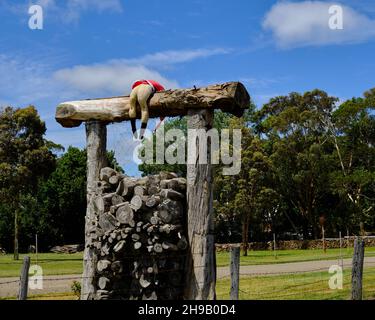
[
  {"x": 293, "y": 267},
  {"x": 56, "y": 284},
  {"x": 51, "y": 284}
]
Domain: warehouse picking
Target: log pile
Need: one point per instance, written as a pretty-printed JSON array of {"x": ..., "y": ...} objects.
[
  {"x": 138, "y": 235},
  {"x": 71, "y": 248}
]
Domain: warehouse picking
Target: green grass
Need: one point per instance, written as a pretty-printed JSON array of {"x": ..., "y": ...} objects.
[
  {"x": 58, "y": 264},
  {"x": 48, "y": 296},
  {"x": 52, "y": 264},
  {"x": 285, "y": 256},
  {"x": 298, "y": 286}
]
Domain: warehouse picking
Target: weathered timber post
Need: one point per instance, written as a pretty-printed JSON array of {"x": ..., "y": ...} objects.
[
  {"x": 357, "y": 268},
  {"x": 234, "y": 272},
  {"x": 24, "y": 279},
  {"x": 96, "y": 140},
  {"x": 201, "y": 262}
]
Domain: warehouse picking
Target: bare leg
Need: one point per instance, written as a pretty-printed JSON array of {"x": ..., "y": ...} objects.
[
  {"x": 133, "y": 110},
  {"x": 143, "y": 94},
  {"x": 133, "y": 103}
]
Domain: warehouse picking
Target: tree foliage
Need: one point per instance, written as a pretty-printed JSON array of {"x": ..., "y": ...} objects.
[{"x": 47, "y": 192}]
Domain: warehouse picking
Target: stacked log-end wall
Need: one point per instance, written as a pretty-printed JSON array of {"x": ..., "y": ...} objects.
[{"x": 137, "y": 234}]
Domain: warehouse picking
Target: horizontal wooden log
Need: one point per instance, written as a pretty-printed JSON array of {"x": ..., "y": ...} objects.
[
  {"x": 136, "y": 203},
  {"x": 107, "y": 222},
  {"x": 106, "y": 173},
  {"x": 125, "y": 214},
  {"x": 230, "y": 97},
  {"x": 116, "y": 199},
  {"x": 152, "y": 201},
  {"x": 165, "y": 175},
  {"x": 103, "y": 283},
  {"x": 116, "y": 267},
  {"x": 118, "y": 247},
  {"x": 178, "y": 184},
  {"x": 139, "y": 191},
  {"x": 102, "y": 294},
  {"x": 114, "y": 179},
  {"x": 171, "y": 194}
]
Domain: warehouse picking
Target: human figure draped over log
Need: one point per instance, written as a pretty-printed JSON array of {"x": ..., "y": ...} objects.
[{"x": 142, "y": 92}]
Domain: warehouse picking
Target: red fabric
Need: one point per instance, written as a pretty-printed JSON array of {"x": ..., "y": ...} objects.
[{"x": 157, "y": 86}]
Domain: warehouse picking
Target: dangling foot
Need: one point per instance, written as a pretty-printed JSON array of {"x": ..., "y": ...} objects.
[
  {"x": 134, "y": 129},
  {"x": 143, "y": 128}
]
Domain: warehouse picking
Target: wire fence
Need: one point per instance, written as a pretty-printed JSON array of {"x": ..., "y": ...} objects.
[{"x": 312, "y": 283}]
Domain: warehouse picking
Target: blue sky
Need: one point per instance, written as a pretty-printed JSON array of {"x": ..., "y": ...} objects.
[{"x": 94, "y": 48}]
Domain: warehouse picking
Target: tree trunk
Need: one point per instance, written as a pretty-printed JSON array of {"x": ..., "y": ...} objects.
[
  {"x": 96, "y": 139},
  {"x": 201, "y": 264},
  {"x": 16, "y": 255},
  {"x": 245, "y": 235}
]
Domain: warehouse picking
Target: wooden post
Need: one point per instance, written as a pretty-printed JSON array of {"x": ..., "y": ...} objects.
[
  {"x": 347, "y": 240},
  {"x": 36, "y": 247},
  {"x": 341, "y": 259},
  {"x": 201, "y": 262},
  {"x": 96, "y": 140},
  {"x": 16, "y": 254},
  {"x": 24, "y": 279},
  {"x": 234, "y": 272},
  {"x": 324, "y": 240},
  {"x": 357, "y": 268},
  {"x": 274, "y": 246}
]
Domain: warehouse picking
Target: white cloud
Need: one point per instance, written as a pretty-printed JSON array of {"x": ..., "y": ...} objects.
[
  {"x": 25, "y": 81},
  {"x": 306, "y": 23},
  {"x": 66, "y": 11},
  {"x": 108, "y": 78},
  {"x": 177, "y": 56},
  {"x": 116, "y": 76}
]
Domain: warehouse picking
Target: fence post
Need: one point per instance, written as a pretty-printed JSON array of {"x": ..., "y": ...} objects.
[
  {"x": 274, "y": 246},
  {"x": 234, "y": 272},
  {"x": 341, "y": 259},
  {"x": 24, "y": 279},
  {"x": 357, "y": 268},
  {"x": 36, "y": 247}
]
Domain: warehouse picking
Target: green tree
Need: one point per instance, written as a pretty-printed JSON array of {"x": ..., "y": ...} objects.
[
  {"x": 62, "y": 199},
  {"x": 351, "y": 129},
  {"x": 240, "y": 196},
  {"x": 299, "y": 151},
  {"x": 25, "y": 158},
  {"x": 221, "y": 120}
]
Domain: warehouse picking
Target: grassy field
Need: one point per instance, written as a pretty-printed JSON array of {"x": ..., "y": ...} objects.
[
  {"x": 285, "y": 256},
  {"x": 300, "y": 286},
  {"x": 58, "y": 264},
  {"x": 52, "y": 264}
]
